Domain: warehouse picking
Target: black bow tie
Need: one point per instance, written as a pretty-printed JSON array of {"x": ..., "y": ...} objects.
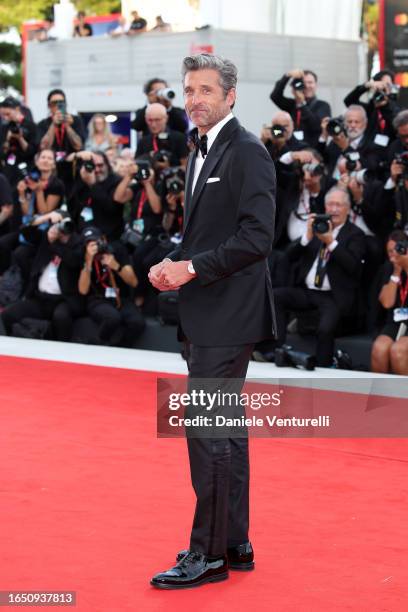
[{"x": 201, "y": 145}]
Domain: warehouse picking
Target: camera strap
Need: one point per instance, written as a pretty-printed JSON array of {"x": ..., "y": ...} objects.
[
  {"x": 380, "y": 121},
  {"x": 321, "y": 269},
  {"x": 155, "y": 145},
  {"x": 102, "y": 276}
]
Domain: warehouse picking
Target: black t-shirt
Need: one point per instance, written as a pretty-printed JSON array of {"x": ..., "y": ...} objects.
[
  {"x": 101, "y": 278},
  {"x": 138, "y": 24},
  {"x": 5, "y": 198},
  {"x": 141, "y": 209},
  {"x": 95, "y": 206},
  {"x": 62, "y": 145},
  {"x": 14, "y": 154},
  {"x": 172, "y": 141}
]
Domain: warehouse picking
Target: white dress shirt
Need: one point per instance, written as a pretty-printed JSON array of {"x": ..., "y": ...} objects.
[
  {"x": 211, "y": 136},
  {"x": 310, "y": 278}
]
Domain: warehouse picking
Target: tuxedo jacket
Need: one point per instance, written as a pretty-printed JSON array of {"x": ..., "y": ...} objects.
[
  {"x": 228, "y": 235},
  {"x": 344, "y": 266}
]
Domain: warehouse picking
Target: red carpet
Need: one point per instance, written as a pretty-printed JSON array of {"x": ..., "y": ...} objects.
[{"x": 92, "y": 501}]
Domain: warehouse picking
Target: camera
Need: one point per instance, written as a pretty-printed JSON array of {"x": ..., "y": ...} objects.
[
  {"x": 335, "y": 126},
  {"x": 66, "y": 226},
  {"x": 89, "y": 165},
  {"x": 62, "y": 106},
  {"x": 277, "y": 131},
  {"x": 174, "y": 179},
  {"x": 161, "y": 156},
  {"x": 313, "y": 169},
  {"x": 379, "y": 96},
  {"x": 13, "y": 127},
  {"x": 103, "y": 247},
  {"x": 287, "y": 357},
  {"x": 26, "y": 174},
  {"x": 166, "y": 93},
  {"x": 364, "y": 176},
  {"x": 402, "y": 159},
  {"x": 352, "y": 157},
  {"x": 298, "y": 84},
  {"x": 401, "y": 247},
  {"x": 131, "y": 237},
  {"x": 321, "y": 224},
  {"x": 143, "y": 170}
]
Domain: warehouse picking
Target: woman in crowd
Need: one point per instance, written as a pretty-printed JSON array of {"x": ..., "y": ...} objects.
[
  {"x": 39, "y": 192},
  {"x": 100, "y": 137},
  {"x": 390, "y": 349}
]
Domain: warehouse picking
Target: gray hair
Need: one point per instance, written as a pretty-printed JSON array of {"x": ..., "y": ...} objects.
[
  {"x": 401, "y": 119},
  {"x": 343, "y": 191},
  {"x": 356, "y": 107},
  {"x": 205, "y": 61}
]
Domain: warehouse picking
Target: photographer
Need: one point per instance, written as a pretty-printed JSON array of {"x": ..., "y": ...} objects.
[
  {"x": 329, "y": 259},
  {"x": 105, "y": 280},
  {"x": 62, "y": 132},
  {"x": 278, "y": 137},
  {"x": 157, "y": 90},
  {"x": 390, "y": 349},
  {"x": 39, "y": 192},
  {"x": 381, "y": 108},
  {"x": 306, "y": 110},
  {"x": 400, "y": 144},
  {"x": 303, "y": 196},
  {"x": 98, "y": 194},
  {"x": 396, "y": 191},
  {"x": 347, "y": 146},
  {"x": 161, "y": 140},
  {"x": 52, "y": 293},
  {"x": 18, "y": 138}
]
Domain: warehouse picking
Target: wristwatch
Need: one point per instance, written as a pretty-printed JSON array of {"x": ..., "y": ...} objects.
[{"x": 190, "y": 268}]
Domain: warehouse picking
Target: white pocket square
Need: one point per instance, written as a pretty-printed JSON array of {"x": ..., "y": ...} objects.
[{"x": 213, "y": 179}]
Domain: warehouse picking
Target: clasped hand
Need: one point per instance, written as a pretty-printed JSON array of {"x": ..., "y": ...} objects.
[{"x": 169, "y": 275}]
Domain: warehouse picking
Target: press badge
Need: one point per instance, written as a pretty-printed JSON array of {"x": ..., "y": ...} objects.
[
  {"x": 11, "y": 159},
  {"x": 382, "y": 140},
  {"x": 400, "y": 314},
  {"x": 60, "y": 156},
  {"x": 87, "y": 214},
  {"x": 110, "y": 292},
  {"x": 299, "y": 134}
]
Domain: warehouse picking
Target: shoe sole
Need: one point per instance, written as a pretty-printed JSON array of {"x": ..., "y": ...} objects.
[
  {"x": 242, "y": 567},
  {"x": 169, "y": 587}
]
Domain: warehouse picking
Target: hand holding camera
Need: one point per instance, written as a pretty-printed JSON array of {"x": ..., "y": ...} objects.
[
  {"x": 108, "y": 260},
  {"x": 303, "y": 157},
  {"x": 320, "y": 226},
  {"x": 90, "y": 252}
]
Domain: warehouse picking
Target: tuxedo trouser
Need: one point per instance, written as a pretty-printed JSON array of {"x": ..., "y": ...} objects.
[{"x": 219, "y": 466}]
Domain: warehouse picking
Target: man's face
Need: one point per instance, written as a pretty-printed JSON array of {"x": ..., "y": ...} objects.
[
  {"x": 310, "y": 180},
  {"x": 155, "y": 87},
  {"x": 10, "y": 114},
  {"x": 310, "y": 85},
  {"x": 101, "y": 169},
  {"x": 336, "y": 205},
  {"x": 355, "y": 123},
  {"x": 403, "y": 135},
  {"x": 55, "y": 101},
  {"x": 156, "y": 120},
  {"x": 204, "y": 98}
]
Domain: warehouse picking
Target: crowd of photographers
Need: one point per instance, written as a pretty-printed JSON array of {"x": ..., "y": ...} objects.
[{"x": 81, "y": 221}]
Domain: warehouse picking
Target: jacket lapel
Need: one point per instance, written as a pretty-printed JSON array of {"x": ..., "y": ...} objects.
[
  {"x": 216, "y": 152},
  {"x": 189, "y": 184}
]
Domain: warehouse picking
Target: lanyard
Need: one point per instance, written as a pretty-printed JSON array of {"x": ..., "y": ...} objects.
[
  {"x": 155, "y": 145},
  {"x": 298, "y": 115},
  {"x": 380, "y": 121},
  {"x": 143, "y": 198},
  {"x": 403, "y": 293},
  {"x": 59, "y": 134}
]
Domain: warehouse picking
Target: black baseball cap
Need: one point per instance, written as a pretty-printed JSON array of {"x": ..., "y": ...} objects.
[
  {"x": 91, "y": 233},
  {"x": 9, "y": 102}
]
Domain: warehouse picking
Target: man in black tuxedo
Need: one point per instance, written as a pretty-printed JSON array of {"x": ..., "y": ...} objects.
[
  {"x": 225, "y": 306},
  {"x": 328, "y": 274}
]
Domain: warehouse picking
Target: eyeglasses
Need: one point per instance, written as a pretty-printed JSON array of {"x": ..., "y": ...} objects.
[{"x": 55, "y": 102}]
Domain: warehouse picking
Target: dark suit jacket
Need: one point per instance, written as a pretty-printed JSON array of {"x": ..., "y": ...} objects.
[
  {"x": 228, "y": 234},
  {"x": 344, "y": 267},
  {"x": 370, "y": 154}
]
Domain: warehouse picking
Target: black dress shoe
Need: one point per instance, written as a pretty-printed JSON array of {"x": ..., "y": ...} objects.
[
  {"x": 239, "y": 557},
  {"x": 193, "y": 569}
]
